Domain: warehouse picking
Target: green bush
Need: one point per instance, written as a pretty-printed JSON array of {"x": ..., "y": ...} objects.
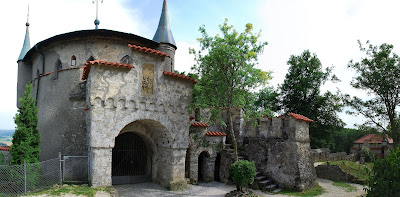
[
  {"x": 384, "y": 179},
  {"x": 243, "y": 173},
  {"x": 2, "y": 159}
]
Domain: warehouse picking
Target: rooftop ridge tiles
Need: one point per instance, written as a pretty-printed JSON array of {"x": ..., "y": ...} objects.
[
  {"x": 215, "y": 133},
  {"x": 179, "y": 76},
  {"x": 148, "y": 50},
  {"x": 300, "y": 117},
  {"x": 86, "y": 68}
]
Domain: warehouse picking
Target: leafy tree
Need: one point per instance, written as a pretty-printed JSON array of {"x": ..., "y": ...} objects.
[
  {"x": 243, "y": 173},
  {"x": 378, "y": 74},
  {"x": 226, "y": 69},
  {"x": 384, "y": 180},
  {"x": 301, "y": 94},
  {"x": 26, "y": 139},
  {"x": 267, "y": 101}
]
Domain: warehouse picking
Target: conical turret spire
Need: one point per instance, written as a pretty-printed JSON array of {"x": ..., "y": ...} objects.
[
  {"x": 164, "y": 33},
  {"x": 27, "y": 42}
]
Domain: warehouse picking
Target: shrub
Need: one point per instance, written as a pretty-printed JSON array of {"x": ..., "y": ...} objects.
[
  {"x": 2, "y": 159},
  {"x": 243, "y": 173},
  {"x": 384, "y": 179}
]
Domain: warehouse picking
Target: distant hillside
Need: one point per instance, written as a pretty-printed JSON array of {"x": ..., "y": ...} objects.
[{"x": 6, "y": 133}]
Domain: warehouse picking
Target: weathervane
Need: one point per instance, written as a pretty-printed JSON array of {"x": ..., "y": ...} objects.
[
  {"x": 27, "y": 17},
  {"x": 97, "y": 22}
]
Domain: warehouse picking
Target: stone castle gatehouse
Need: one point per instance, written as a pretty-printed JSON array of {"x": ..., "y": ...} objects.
[{"x": 114, "y": 98}]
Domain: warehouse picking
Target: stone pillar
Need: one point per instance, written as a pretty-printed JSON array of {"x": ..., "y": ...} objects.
[
  {"x": 100, "y": 166},
  {"x": 194, "y": 164},
  {"x": 171, "y": 168}
]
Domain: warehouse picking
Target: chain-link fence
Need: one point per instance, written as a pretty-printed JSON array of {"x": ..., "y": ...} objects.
[{"x": 16, "y": 180}]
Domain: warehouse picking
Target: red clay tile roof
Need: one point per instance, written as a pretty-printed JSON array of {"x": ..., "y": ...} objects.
[
  {"x": 86, "y": 68},
  {"x": 148, "y": 50},
  {"x": 375, "y": 148},
  {"x": 179, "y": 76},
  {"x": 191, "y": 117},
  {"x": 373, "y": 139},
  {"x": 300, "y": 117},
  {"x": 4, "y": 148},
  {"x": 215, "y": 133},
  {"x": 199, "y": 124}
]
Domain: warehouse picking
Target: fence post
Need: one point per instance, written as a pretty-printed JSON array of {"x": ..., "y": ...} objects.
[
  {"x": 24, "y": 177},
  {"x": 59, "y": 157}
]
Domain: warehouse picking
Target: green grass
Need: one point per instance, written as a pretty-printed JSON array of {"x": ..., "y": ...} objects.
[
  {"x": 316, "y": 191},
  {"x": 348, "y": 187},
  {"x": 84, "y": 190},
  {"x": 358, "y": 170}
]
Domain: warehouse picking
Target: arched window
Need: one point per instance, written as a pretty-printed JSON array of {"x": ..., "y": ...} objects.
[
  {"x": 73, "y": 60},
  {"x": 125, "y": 59}
]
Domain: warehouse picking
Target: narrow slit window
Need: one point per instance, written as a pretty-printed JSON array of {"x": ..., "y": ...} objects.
[
  {"x": 73, "y": 60},
  {"x": 125, "y": 59}
]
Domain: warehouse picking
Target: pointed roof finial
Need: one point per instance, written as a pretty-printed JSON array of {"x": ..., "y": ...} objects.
[
  {"x": 97, "y": 21},
  {"x": 27, "y": 43},
  {"x": 164, "y": 33}
]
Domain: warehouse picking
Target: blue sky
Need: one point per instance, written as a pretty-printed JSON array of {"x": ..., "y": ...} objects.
[{"x": 329, "y": 28}]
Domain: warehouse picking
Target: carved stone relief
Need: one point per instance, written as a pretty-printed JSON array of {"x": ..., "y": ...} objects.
[{"x": 148, "y": 79}]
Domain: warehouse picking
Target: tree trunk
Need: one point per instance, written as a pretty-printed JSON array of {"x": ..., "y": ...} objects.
[{"x": 233, "y": 134}]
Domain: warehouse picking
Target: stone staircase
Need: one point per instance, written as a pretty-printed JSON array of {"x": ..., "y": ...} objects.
[{"x": 261, "y": 181}]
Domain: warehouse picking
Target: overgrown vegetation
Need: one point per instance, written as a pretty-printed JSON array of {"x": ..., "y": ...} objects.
[
  {"x": 84, "y": 190},
  {"x": 243, "y": 173},
  {"x": 348, "y": 187},
  {"x": 384, "y": 178},
  {"x": 226, "y": 67},
  {"x": 316, "y": 191}
]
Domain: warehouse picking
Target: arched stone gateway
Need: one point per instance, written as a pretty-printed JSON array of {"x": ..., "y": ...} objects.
[
  {"x": 203, "y": 169},
  {"x": 131, "y": 159}
]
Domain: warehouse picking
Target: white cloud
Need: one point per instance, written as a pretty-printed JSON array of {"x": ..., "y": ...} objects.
[
  {"x": 183, "y": 60},
  {"x": 49, "y": 18},
  {"x": 328, "y": 28}
]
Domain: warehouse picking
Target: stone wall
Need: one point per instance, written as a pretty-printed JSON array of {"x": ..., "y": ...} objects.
[
  {"x": 280, "y": 149},
  {"x": 324, "y": 154},
  {"x": 209, "y": 147},
  {"x": 335, "y": 173},
  {"x": 120, "y": 99}
]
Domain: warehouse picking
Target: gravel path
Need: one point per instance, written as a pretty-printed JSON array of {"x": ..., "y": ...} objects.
[{"x": 217, "y": 189}]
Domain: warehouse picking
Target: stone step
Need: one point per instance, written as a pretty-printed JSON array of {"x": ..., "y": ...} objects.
[
  {"x": 276, "y": 190},
  {"x": 258, "y": 173},
  {"x": 228, "y": 146},
  {"x": 230, "y": 150},
  {"x": 271, "y": 187},
  {"x": 240, "y": 157},
  {"x": 265, "y": 182},
  {"x": 260, "y": 178}
]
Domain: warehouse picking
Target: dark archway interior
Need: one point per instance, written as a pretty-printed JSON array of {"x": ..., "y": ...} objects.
[
  {"x": 217, "y": 167},
  {"x": 131, "y": 160},
  {"x": 202, "y": 167}
]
